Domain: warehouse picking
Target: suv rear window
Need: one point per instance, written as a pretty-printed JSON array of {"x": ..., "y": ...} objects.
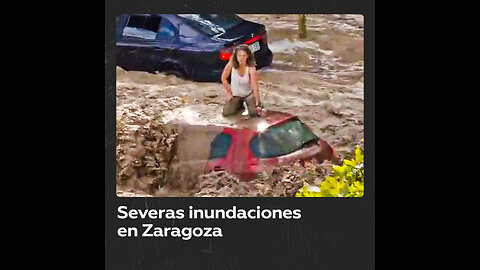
[
  {"x": 220, "y": 145},
  {"x": 282, "y": 139},
  {"x": 212, "y": 24},
  {"x": 167, "y": 30},
  {"x": 146, "y": 22},
  {"x": 142, "y": 26}
]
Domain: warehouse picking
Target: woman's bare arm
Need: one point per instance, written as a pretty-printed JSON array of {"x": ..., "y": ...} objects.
[
  {"x": 226, "y": 72},
  {"x": 254, "y": 84}
]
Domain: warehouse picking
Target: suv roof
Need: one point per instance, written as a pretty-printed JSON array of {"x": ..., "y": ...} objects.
[
  {"x": 238, "y": 121},
  {"x": 268, "y": 118}
]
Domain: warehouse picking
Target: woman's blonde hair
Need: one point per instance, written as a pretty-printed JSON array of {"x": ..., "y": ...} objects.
[{"x": 250, "y": 58}]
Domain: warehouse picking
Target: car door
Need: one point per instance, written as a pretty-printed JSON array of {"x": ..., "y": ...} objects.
[
  {"x": 137, "y": 45},
  {"x": 165, "y": 51},
  {"x": 192, "y": 150},
  {"x": 242, "y": 156},
  {"x": 220, "y": 148}
]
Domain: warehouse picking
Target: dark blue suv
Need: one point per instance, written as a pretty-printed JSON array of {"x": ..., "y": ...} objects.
[{"x": 193, "y": 46}]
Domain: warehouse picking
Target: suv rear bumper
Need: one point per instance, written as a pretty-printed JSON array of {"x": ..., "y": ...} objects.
[{"x": 264, "y": 60}]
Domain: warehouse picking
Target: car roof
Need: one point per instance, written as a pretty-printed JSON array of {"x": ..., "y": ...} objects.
[{"x": 268, "y": 118}]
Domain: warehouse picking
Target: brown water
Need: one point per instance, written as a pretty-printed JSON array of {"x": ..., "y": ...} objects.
[{"x": 320, "y": 79}]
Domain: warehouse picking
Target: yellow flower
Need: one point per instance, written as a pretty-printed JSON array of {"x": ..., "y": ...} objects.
[
  {"x": 356, "y": 189},
  {"x": 339, "y": 170},
  {"x": 358, "y": 155}
]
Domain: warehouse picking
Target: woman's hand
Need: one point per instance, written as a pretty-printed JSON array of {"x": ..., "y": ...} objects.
[
  {"x": 259, "y": 110},
  {"x": 254, "y": 84},
  {"x": 229, "y": 95}
]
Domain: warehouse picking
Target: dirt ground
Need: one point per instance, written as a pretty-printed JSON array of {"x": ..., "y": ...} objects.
[{"x": 320, "y": 79}]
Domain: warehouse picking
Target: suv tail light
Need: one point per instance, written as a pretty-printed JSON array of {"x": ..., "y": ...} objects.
[
  {"x": 334, "y": 153},
  {"x": 225, "y": 54},
  {"x": 252, "y": 40}
]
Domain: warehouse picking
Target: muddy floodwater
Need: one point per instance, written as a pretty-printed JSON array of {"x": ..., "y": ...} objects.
[{"x": 320, "y": 79}]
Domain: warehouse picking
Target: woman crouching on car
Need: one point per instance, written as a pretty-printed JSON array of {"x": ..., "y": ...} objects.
[{"x": 244, "y": 82}]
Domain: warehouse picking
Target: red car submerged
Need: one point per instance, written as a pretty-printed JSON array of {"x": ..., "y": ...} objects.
[{"x": 250, "y": 146}]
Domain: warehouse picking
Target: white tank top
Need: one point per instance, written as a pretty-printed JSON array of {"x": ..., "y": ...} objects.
[{"x": 240, "y": 84}]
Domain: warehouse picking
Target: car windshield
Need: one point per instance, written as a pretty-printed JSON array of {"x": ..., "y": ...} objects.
[
  {"x": 212, "y": 24},
  {"x": 282, "y": 139}
]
